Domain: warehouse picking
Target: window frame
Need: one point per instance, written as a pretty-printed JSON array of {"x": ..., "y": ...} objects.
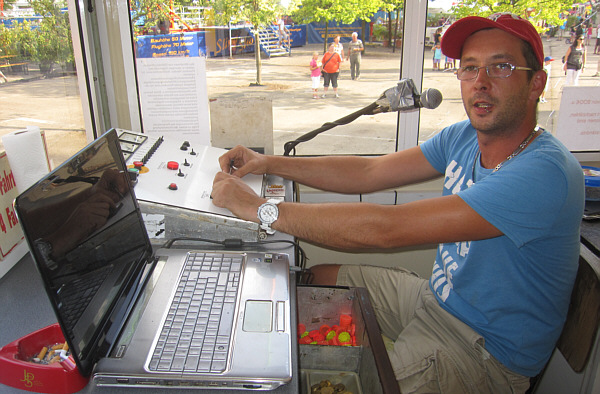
[{"x": 108, "y": 85}]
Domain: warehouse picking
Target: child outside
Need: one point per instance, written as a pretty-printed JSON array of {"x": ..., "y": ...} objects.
[
  {"x": 437, "y": 56},
  {"x": 315, "y": 73},
  {"x": 548, "y": 68}
]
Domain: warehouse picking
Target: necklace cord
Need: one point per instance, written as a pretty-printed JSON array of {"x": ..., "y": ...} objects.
[{"x": 519, "y": 149}]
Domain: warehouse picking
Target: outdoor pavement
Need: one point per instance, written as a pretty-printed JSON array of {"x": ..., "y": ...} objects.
[{"x": 55, "y": 106}]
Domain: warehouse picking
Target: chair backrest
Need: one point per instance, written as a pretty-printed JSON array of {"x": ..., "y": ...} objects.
[{"x": 579, "y": 333}]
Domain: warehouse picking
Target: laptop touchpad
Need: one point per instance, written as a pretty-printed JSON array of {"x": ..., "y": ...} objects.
[{"x": 258, "y": 316}]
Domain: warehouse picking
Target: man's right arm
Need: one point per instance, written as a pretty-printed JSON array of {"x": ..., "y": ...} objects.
[{"x": 340, "y": 174}]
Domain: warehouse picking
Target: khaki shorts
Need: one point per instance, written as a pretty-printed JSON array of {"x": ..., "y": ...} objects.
[{"x": 433, "y": 352}]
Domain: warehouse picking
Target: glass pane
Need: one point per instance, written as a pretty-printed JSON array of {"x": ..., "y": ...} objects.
[
  {"x": 38, "y": 85},
  {"x": 556, "y": 24},
  {"x": 285, "y": 77},
  {"x": 438, "y": 73}
]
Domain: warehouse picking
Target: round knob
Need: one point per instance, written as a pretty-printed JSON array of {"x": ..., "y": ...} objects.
[{"x": 133, "y": 173}]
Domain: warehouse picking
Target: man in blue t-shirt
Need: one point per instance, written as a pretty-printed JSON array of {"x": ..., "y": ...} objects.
[{"x": 507, "y": 223}]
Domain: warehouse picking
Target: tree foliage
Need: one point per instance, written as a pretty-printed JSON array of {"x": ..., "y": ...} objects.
[
  {"x": 54, "y": 43},
  {"x": 47, "y": 42},
  {"x": 535, "y": 11},
  {"x": 396, "y": 6},
  {"x": 340, "y": 11},
  {"x": 259, "y": 13},
  {"x": 148, "y": 14}
]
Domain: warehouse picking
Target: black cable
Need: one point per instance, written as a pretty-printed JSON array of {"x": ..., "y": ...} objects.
[
  {"x": 371, "y": 109},
  {"x": 236, "y": 243}
]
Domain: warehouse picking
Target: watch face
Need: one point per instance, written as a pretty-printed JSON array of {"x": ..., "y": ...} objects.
[{"x": 268, "y": 213}]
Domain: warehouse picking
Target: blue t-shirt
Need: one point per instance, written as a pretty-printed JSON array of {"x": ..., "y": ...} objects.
[{"x": 514, "y": 290}]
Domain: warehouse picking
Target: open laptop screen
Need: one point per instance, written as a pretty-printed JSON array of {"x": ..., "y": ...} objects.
[{"x": 87, "y": 238}]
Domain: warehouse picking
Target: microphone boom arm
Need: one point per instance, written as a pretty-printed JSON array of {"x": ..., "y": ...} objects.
[
  {"x": 404, "y": 96},
  {"x": 371, "y": 109}
]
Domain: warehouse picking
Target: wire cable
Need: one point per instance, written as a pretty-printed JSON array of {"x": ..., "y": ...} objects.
[{"x": 236, "y": 243}]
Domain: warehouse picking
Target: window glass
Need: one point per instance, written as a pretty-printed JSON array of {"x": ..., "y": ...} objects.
[
  {"x": 438, "y": 73},
  {"x": 283, "y": 76},
  {"x": 556, "y": 24},
  {"x": 38, "y": 85}
]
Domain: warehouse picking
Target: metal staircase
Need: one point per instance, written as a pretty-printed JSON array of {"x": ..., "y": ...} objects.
[{"x": 269, "y": 43}]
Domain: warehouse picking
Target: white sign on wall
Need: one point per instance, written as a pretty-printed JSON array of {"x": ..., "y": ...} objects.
[
  {"x": 174, "y": 97},
  {"x": 578, "y": 124}
]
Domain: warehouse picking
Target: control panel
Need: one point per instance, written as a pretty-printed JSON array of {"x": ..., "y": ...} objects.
[
  {"x": 176, "y": 173},
  {"x": 173, "y": 185}
]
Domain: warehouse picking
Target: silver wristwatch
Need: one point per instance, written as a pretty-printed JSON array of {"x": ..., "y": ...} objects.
[
  {"x": 268, "y": 213},
  {"x": 45, "y": 251}
]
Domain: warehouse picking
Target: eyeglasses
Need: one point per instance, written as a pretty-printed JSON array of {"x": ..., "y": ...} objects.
[{"x": 496, "y": 70}]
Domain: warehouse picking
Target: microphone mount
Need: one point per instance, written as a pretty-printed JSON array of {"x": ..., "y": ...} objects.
[{"x": 402, "y": 97}]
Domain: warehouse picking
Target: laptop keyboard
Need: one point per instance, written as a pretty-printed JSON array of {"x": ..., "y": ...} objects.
[
  {"x": 196, "y": 334},
  {"x": 76, "y": 295}
]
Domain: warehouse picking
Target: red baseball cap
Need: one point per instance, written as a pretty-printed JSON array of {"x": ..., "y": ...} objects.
[{"x": 459, "y": 31}]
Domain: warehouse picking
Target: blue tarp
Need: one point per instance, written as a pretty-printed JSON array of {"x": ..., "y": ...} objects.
[
  {"x": 316, "y": 32},
  {"x": 168, "y": 45},
  {"x": 9, "y": 22},
  {"x": 297, "y": 35}
]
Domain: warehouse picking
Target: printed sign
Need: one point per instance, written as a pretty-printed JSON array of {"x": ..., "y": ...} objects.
[
  {"x": 578, "y": 124},
  {"x": 10, "y": 230}
]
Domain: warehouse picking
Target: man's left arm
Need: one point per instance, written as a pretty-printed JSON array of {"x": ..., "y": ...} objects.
[{"x": 362, "y": 226}]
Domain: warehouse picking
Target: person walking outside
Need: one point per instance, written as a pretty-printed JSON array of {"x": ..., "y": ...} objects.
[
  {"x": 331, "y": 69},
  {"x": 355, "y": 48},
  {"x": 548, "y": 68},
  {"x": 574, "y": 61},
  {"x": 596, "y": 51},
  {"x": 338, "y": 47},
  {"x": 283, "y": 34},
  {"x": 315, "y": 73}
]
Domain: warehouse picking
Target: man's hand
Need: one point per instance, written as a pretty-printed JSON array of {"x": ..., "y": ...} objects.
[
  {"x": 87, "y": 217},
  {"x": 240, "y": 161},
  {"x": 232, "y": 193},
  {"x": 112, "y": 183}
]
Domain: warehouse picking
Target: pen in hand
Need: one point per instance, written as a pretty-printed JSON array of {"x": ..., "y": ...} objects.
[{"x": 231, "y": 166}]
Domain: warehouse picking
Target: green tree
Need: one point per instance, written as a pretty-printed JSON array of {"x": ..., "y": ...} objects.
[
  {"x": 149, "y": 14},
  {"x": 341, "y": 11},
  {"x": 535, "y": 11},
  {"x": 47, "y": 42},
  {"x": 393, "y": 6},
  {"x": 260, "y": 13},
  {"x": 53, "y": 43}
]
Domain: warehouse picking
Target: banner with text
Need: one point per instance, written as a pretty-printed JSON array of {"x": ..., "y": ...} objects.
[
  {"x": 10, "y": 229},
  {"x": 171, "y": 45}
]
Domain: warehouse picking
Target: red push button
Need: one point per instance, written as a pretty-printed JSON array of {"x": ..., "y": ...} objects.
[
  {"x": 138, "y": 164},
  {"x": 172, "y": 165},
  {"x": 173, "y": 186}
]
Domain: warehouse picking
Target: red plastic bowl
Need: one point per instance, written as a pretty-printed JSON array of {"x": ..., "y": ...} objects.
[{"x": 57, "y": 378}]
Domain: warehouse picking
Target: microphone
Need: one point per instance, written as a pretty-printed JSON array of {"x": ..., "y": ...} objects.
[{"x": 405, "y": 97}]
